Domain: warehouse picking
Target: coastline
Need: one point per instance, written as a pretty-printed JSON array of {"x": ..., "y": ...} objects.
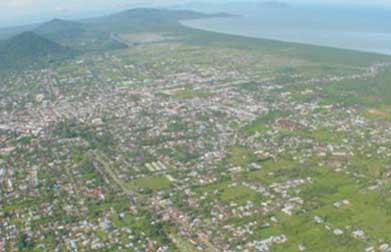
[{"x": 196, "y": 24}]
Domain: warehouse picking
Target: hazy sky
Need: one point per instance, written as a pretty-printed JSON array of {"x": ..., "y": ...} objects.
[{"x": 14, "y": 12}]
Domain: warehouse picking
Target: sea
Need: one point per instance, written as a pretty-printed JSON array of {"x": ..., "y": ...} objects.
[{"x": 353, "y": 27}]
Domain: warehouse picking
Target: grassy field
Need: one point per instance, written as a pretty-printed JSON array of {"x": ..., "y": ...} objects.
[
  {"x": 241, "y": 156},
  {"x": 154, "y": 183},
  {"x": 188, "y": 92}
]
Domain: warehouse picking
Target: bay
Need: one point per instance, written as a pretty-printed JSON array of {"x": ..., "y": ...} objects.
[{"x": 348, "y": 27}]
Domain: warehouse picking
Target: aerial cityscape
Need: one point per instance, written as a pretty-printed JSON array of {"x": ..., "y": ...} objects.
[{"x": 134, "y": 132}]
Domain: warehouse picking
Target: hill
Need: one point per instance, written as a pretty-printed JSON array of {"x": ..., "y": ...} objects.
[
  {"x": 77, "y": 35},
  {"x": 29, "y": 50},
  {"x": 97, "y": 34},
  {"x": 141, "y": 20},
  {"x": 8, "y": 32},
  {"x": 60, "y": 29}
]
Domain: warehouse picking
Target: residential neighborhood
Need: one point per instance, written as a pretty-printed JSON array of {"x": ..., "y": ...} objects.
[{"x": 177, "y": 146}]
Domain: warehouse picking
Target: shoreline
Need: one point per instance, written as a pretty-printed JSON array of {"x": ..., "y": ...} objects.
[{"x": 190, "y": 24}]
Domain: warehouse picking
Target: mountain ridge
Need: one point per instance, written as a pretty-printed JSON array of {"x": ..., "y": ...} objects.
[
  {"x": 60, "y": 28},
  {"x": 30, "y": 50}
]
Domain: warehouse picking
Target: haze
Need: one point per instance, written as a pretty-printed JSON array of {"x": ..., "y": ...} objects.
[{"x": 23, "y": 12}]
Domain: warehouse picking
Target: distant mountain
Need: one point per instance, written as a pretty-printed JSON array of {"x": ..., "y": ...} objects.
[
  {"x": 81, "y": 36},
  {"x": 135, "y": 20},
  {"x": 29, "y": 50},
  {"x": 8, "y": 32},
  {"x": 56, "y": 37},
  {"x": 99, "y": 34},
  {"x": 61, "y": 29}
]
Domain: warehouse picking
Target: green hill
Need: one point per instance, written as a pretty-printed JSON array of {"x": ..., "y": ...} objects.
[
  {"x": 61, "y": 29},
  {"x": 97, "y": 34},
  {"x": 29, "y": 50},
  {"x": 80, "y": 36},
  {"x": 141, "y": 20}
]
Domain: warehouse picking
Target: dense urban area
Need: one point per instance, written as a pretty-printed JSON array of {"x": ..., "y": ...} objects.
[{"x": 183, "y": 140}]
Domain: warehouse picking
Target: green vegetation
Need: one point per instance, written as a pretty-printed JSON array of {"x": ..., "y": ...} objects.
[
  {"x": 314, "y": 54},
  {"x": 373, "y": 92},
  {"x": 189, "y": 93},
  {"x": 166, "y": 143},
  {"x": 241, "y": 156},
  {"x": 29, "y": 50},
  {"x": 61, "y": 29},
  {"x": 144, "y": 20},
  {"x": 264, "y": 123},
  {"x": 238, "y": 194},
  {"x": 71, "y": 129},
  {"x": 154, "y": 183}
]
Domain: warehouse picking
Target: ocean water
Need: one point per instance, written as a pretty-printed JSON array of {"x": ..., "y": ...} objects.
[{"x": 349, "y": 27}]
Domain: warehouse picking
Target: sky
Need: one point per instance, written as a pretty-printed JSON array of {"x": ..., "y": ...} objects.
[{"x": 21, "y": 12}]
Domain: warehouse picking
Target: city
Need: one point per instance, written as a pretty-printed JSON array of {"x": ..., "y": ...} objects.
[{"x": 181, "y": 142}]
